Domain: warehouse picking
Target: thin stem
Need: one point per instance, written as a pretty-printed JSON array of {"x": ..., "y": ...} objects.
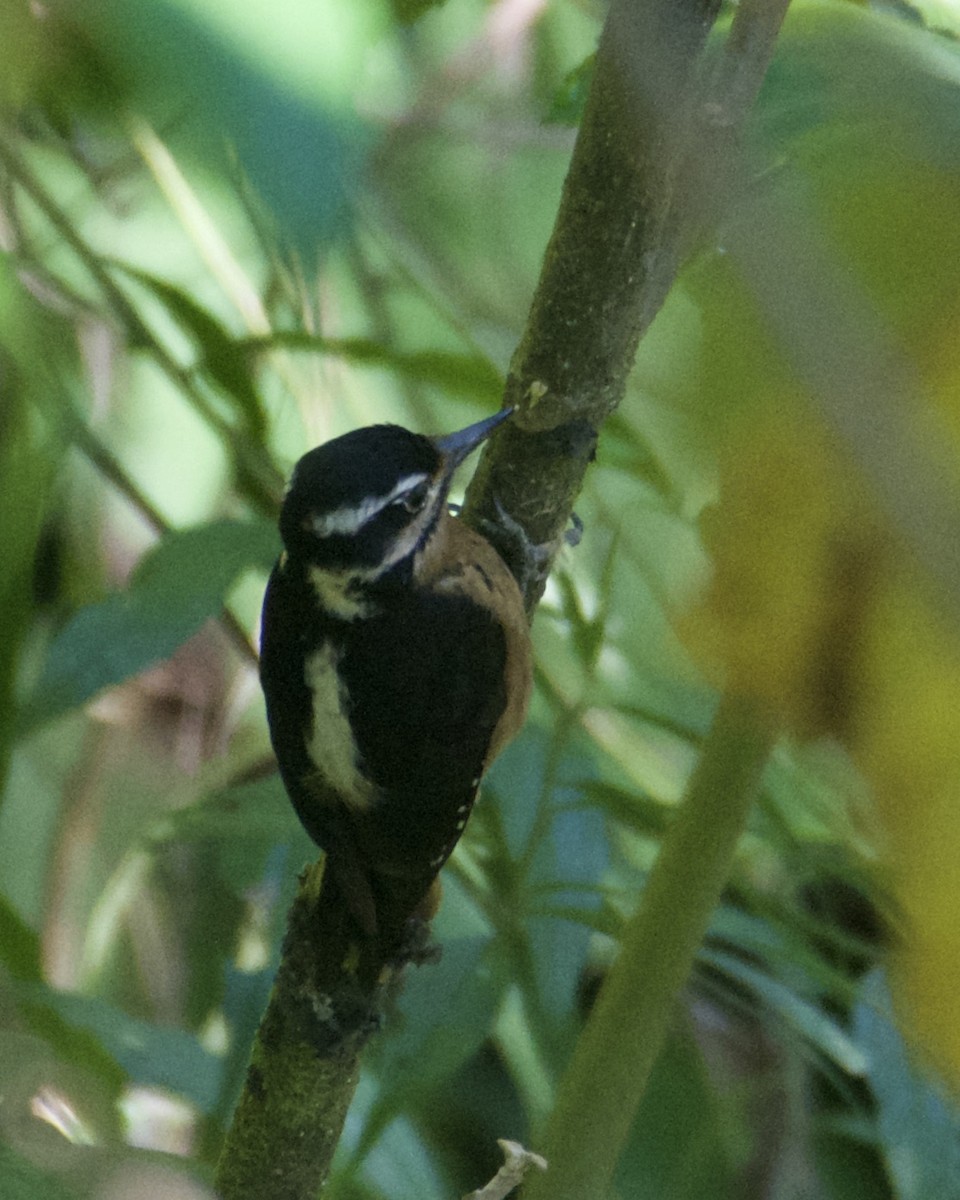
[
  {"x": 109, "y": 466},
  {"x": 200, "y": 227},
  {"x": 257, "y": 474},
  {"x": 745, "y": 58},
  {"x": 601, "y": 1091}
]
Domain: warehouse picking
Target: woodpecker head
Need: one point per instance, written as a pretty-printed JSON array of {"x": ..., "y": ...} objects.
[{"x": 360, "y": 504}]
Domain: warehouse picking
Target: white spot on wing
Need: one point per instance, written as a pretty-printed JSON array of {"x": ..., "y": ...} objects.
[{"x": 331, "y": 746}]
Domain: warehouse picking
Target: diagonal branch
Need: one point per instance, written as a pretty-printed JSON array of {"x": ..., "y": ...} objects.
[
  {"x": 608, "y": 267},
  {"x": 627, "y": 213}
]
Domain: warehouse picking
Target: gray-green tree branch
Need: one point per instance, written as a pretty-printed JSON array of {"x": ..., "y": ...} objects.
[{"x": 629, "y": 210}]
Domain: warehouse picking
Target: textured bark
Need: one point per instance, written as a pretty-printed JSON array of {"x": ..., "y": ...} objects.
[
  {"x": 607, "y": 269},
  {"x": 326, "y": 1002}
]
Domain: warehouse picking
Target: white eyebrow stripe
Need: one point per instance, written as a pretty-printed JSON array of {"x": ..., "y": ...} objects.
[{"x": 351, "y": 517}]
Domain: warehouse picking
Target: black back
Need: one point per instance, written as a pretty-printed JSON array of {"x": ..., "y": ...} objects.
[{"x": 425, "y": 678}]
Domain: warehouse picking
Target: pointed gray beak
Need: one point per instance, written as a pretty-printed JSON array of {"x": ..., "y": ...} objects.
[{"x": 455, "y": 447}]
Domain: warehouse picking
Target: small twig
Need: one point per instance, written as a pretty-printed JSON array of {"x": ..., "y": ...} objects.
[
  {"x": 743, "y": 61},
  {"x": 517, "y": 1162}
]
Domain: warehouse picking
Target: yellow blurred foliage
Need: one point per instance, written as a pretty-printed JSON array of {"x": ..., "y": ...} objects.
[
  {"x": 816, "y": 606},
  {"x": 794, "y": 547},
  {"x": 906, "y": 737},
  {"x": 28, "y": 58},
  {"x": 815, "y": 612}
]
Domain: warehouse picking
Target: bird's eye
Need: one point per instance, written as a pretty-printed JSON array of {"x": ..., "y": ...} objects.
[{"x": 414, "y": 500}]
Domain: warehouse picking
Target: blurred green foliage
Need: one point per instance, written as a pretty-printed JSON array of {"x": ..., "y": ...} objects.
[{"x": 228, "y": 235}]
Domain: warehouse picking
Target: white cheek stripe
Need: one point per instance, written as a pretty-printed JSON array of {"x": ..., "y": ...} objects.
[
  {"x": 331, "y": 746},
  {"x": 351, "y": 517}
]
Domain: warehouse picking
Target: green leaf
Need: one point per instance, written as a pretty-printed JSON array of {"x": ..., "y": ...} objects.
[
  {"x": 21, "y": 1179},
  {"x": 684, "y": 1142},
  {"x": 40, "y": 1009},
  {"x": 222, "y": 357},
  {"x": 512, "y": 791},
  {"x": 258, "y": 811},
  {"x": 408, "y": 11},
  {"x": 177, "y": 586},
  {"x": 571, "y": 96},
  {"x": 446, "y": 1014},
  {"x": 572, "y": 851},
  {"x": 918, "y": 1125},
  {"x": 586, "y": 632},
  {"x": 815, "y": 1025},
  {"x": 785, "y": 942},
  {"x": 275, "y": 90},
  {"x": 19, "y": 945},
  {"x": 245, "y": 997},
  {"x": 842, "y": 70},
  {"x": 400, "y": 1164},
  {"x": 467, "y": 375},
  {"x": 31, "y": 448},
  {"x": 246, "y": 823},
  {"x": 636, "y": 810},
  {"x": 148, "y": 1054},
  {"x": 635, "y": 452}
]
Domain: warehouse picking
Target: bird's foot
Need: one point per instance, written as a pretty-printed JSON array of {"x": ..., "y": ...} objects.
[
  {"x": 416, "y": 945},
  {"x": 529, "y": 561}
]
